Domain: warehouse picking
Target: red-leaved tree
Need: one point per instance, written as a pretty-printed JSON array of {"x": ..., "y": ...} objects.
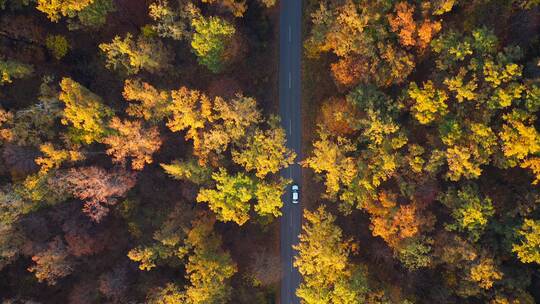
[
  {"x": 96, "y": 186},
  {"x": 84, "y": 237},
  {"x": 53, "y": 263}
]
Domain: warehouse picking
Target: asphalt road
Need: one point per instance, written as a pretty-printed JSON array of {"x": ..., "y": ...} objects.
[{"x": 290, "y": 50}]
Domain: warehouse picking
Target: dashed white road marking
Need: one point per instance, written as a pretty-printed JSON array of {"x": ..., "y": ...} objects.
[
  {"x": 290, "y": 36},
  {"x": 290, "y": 126},
  {"x": 290, "y": 80}
]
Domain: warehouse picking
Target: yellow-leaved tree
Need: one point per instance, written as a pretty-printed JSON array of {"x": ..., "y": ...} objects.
[
  {"x": 265, "y": 151},
  {"x": 84, "y": 112},
  {"x": 209, "y": 267},
  {"x": 55, "y": 9},
  {"x": 330, "y": 157},
  {"x": 323, "y": 260},
  {"x": 145, "y": 101}
]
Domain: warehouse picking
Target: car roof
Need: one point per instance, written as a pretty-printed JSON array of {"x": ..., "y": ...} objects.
[{"x": 295, "y": 186}]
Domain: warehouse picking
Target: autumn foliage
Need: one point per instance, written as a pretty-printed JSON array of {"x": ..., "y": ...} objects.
[
  {"x": 132, "y": 140},
  {"x": 53, "y": 263},
  {"x": 143, "y": 159},
  {"x": 412, "y": 33},
  {"x": 97, "y": 187}
]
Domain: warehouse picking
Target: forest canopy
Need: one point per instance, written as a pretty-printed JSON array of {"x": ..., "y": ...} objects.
[
  {"x": 428, "y": 137},
  {"x": 142, "y": 155},
  {"x": 136, "y": 144}
]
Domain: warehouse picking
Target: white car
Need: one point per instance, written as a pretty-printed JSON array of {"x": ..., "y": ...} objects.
[{"x": 295, "y": 194}]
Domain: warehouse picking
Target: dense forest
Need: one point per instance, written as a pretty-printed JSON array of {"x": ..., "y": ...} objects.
[
  {"x": 140, "y": 152},
  {"x": 426, "y": 150}
]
